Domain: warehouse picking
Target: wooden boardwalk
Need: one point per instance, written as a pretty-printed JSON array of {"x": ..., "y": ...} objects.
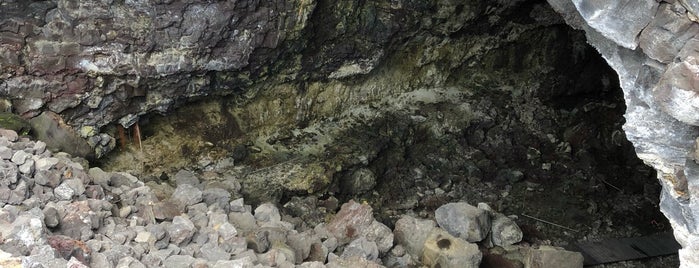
[{"x": 623, "y": 249}]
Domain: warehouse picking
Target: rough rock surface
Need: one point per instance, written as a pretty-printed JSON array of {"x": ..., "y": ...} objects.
[
  {"x": 45, "y": 228},
  {"x": 327, "y": 89},
  {"x": 658, "y": 73}
]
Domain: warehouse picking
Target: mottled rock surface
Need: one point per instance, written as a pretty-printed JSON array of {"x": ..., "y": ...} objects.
[{"x": 435, "y": 98}]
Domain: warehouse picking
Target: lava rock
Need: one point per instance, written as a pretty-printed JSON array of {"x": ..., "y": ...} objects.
[
  {"x": 217, "y": 196},
  {"x": 360, "y": 181},
  {"x": 20, "y": 156},
  {"x": 181, "y": 230},
  {"x": 186, "y": 195},
  {"x": 179, "y": 261},
  {"x": 67, "y": 247},
  {"x": 362, "y": 248},
  {"x": 412, "y": 233},
  {"x": 504, "y": 231},
  {"x": 266, "y": 213},
  {"x": 186, "y": 177},
  {"x": 213, "y": 252},
  {"x": 464, "y": 221},
  {"x": 350, "y": 222},
  {"x": 444, "y": 250},
  {"x": 548, "y": 256},
  {"x": 69, "y": 188}
]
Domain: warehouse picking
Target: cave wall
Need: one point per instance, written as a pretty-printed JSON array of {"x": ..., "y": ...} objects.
[
  {"x": 652, "y": 45},
  {"x": 290, "y": 67}
]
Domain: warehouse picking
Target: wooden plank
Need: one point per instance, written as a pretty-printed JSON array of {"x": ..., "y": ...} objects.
[{"x": 624, "y": 249}]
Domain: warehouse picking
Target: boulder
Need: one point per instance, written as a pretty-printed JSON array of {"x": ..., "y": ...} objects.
[{"x": 464, "y": 221}]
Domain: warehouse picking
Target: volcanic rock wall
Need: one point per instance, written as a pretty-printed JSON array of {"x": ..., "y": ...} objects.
[
  {"x": 98, "y": 62},
  {"x": 88, "y": 64},
  {"x": 653, "y": 46}
]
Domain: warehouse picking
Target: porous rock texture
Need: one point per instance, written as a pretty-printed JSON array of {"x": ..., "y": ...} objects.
[
  {"x": 432, "y": 97},
  {"x": 652, "y": 45}
]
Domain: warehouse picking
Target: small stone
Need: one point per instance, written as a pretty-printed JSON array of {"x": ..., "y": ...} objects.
[
  {"x": 124, "y": 211},
  {"x": 277, "y": 255},
  {"x": 235, "y": 246},
  {"x": 412, "y": 233},
  {"x": 227, "y": 231},
  {"x": 67, "y": 247},
  {"x": 99, "y": 259},
  {"x": 50, "y": 216},
  {"x": 157, "y": 230},
  {"x": 116, "y": 252},
  {"x": 9, "y": 173},
  {"x": 186, "y": 177},
  {"x": 27, "y": 168},
  {"x": 144, "y": 237},
  {"x": 302, "y": 243},
  {"x": 20, "y": 156},
  {"x": 78, "y": 221},
  {"x": 129, "y": 262},
  {"x": 47, "y": 178},
  {"x": 237, "y": 205},
  {"x": 350, "y": 222},
  {"x": 354, "y": 261},
  {"x": 381, "y": 235},
  {"x": 311, "y": 264},
  {"x": 9, "y": 134},
  {"x": 149, "y": 260},
  {"x": 19, "y": 194},
  {"x": 213, "y": 252},
  {"x": 181, "y": 230},
  {"x": 504, "y": 231},
  {"x": 94, "y": 191},
  {"x": 241, "y": 262},
  {"x": 69, "y": 188},
  {"x": 179, "y": 261},
  {"x": 45, "y": 163},
  {"x": 217, "y": 196},
  {"x": 244, "y": 222},
  {"x": 164, "y": 253},
  {"x": 120, "y": 179},
  {"x": 257, "y": 241},
  {"x": 5, "y": 153},
  {"x": 198, "y": 214},
  {"x": 547, "y": 256},
  {"x": 39, "y": 147},
  {"x": 318, "y": 252},
  {"x": 267, "y": 213},
  {"x": 28, "y": 228},
  {"x": 75, "y": 263},
  {"x": 43, "y": 256},
  {"x": 99, "y": 176},
  {"x": 363, "y": 248},
  {"x": 186, "y": 195},
  {"x": 166, "y": 210},
  {"x": 444, "y": 250},
  {"x": 464, "y": 221}
]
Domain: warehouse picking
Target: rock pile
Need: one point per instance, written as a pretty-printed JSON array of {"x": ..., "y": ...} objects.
[{"x": 57, "y": 213}]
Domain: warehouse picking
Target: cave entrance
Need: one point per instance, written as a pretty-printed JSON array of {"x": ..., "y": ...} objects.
[{"x": 529, "y": 124}]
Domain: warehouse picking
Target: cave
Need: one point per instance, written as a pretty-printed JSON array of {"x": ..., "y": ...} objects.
[{"x": 573, "y": 120}]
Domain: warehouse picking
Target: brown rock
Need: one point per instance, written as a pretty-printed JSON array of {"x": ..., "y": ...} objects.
[
  {"x": 166, "y": 210},
  {"x": 67, "y": 247}
]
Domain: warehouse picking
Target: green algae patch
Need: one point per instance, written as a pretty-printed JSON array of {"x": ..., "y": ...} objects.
[
  {"x": 14, "y": 122},
  {"x": 311, "y": 178}
]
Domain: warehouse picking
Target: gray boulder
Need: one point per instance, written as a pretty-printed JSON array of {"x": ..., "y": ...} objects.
[{"x": 464, "y": 221}]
